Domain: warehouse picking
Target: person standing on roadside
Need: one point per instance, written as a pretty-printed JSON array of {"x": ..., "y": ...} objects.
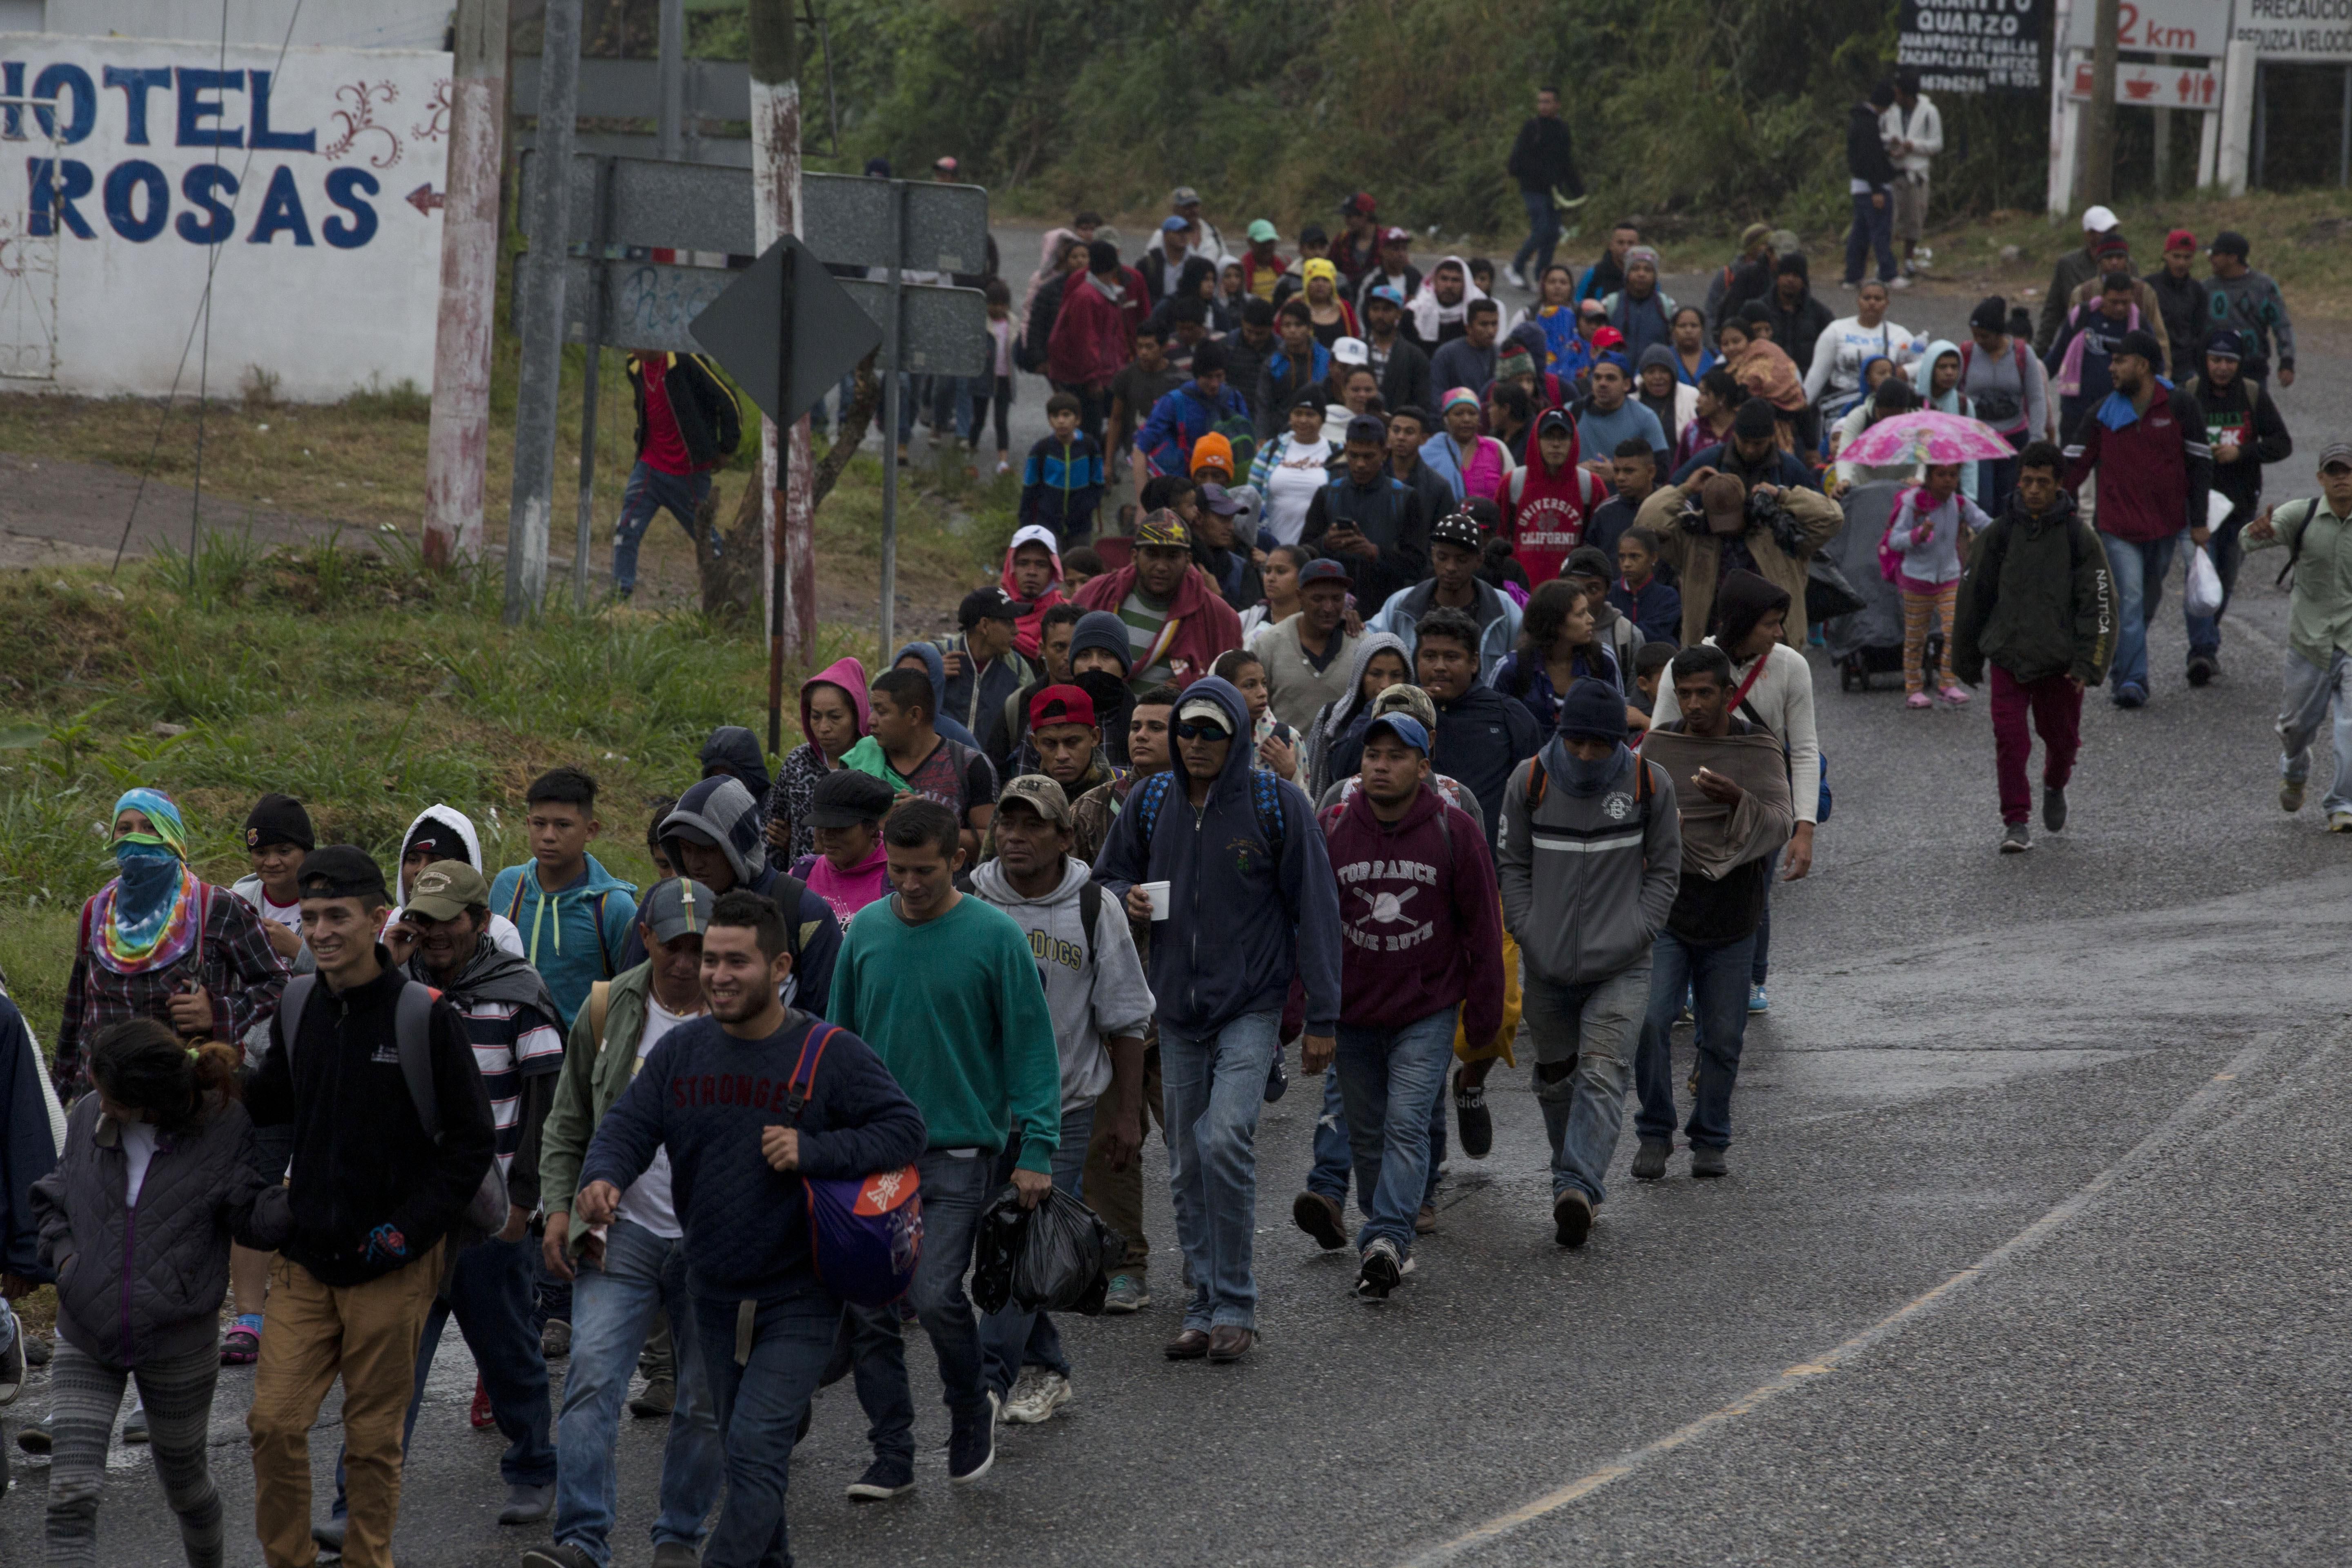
[
  {"x": 2317, "y": 533},
  {"x": 1250, "y": 903},
  {"x": 2244, "y": 428},
  {"x": 1913, "y": 131},
  {"x": 1589, "y": 862},
  {"x": 1543, "y": 159},
  {"x": 1870, "y": 176},
  {"x": 688, "y": 423},
  {"x": 2147, "y": 442},
  {"x": 637, "y": 1268}
]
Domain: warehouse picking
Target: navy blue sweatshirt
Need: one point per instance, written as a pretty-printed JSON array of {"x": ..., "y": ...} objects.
[
  {"x": 1243, "y": 921},
  {"x": 705, "y": 1096}
]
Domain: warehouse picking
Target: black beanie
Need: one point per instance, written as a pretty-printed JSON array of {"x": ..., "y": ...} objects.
[
  {"x": 2142, "y": 343},
  {"x": 1792, "y": 263},
  {"x": 278, "y": 819},
  {"x": 1754, "y": 421},
  {"x": 1593, "y": 710},
  {"x": 1991, "y": 314}
]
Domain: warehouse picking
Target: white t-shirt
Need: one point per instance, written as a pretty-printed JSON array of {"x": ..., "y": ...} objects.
[
  {"x": 139, "y": 1146},
  {"x": 649, "y": 1201},
  {"x": 1299, "y": 470},
  {"x": 286, "y": 915}
]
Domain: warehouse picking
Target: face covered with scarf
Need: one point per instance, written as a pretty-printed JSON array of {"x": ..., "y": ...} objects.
[{"x": 146, "y": 916}]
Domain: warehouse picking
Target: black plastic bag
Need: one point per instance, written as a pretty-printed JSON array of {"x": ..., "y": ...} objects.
[
  {"x": 1057, "y": 1256},
  {"x": 1829, "y": 593}
]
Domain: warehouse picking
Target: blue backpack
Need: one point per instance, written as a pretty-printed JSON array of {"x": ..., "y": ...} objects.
[
  {"x": 864, "y": 1233},
  {"x": 1152, "y": 793}
]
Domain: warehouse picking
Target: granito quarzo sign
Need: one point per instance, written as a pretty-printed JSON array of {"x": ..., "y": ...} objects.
[{"x": 306, "y": 182}]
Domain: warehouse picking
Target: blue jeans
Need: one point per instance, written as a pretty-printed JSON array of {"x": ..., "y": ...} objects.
[
  {"x": 2227, "y": 554},
  {"x": 1015, "y": 1339},
  {"x": 649, "y": 493},
  {"x": 613, "y": 1306},
  {"x": 489, "y": 1290},
  {"x": 1543, "y": 232},
  {"x": 1761, "y": 962},
  {"x": 1390, "y": 1080},
  {"x": 1214, "y": 1089},
  {"x": 1584, "y": 1040},
  {"x": 2305, "y": 695},
  {"x": 759, "y": 1400},
  {"x": 1335, "y": 1156},
  {"x": 1874, "y": 229},
  {"x": 954, "y": 1192},
  {"x": 2138, "y": 567},
  {"x": 1718, "y": 979}
]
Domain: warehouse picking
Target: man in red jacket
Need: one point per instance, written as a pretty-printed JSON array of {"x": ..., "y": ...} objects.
[
  {"x": 1421, "y": 916},
  {"x": 1094, "y": 337},
  {"x": 1176, "y": 623},
  {"x": 2147, "y": 444},
  {"x": 1546, "y": 504}
]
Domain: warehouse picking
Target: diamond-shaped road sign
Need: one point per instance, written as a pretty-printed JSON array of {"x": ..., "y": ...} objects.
[{"x": 744, "y": 330}]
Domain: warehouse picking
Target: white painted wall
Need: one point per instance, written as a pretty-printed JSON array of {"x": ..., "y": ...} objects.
[
  {"x": 351, "y": 24},
  {"x": 323, "y": 273}
]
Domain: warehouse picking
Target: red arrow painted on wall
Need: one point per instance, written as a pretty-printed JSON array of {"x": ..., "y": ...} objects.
[{"x": 425, "y": 198}]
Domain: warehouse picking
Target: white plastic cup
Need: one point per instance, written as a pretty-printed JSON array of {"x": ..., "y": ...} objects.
[{"x": 1157, "y": 893}]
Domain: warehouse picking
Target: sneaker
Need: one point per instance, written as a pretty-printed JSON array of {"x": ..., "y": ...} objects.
[
  {"x": 2016, "y": 838},
  {"x": 1277, "y": 1077},
  {"x": 1514, "y": 277},
  {"x": 2290, "y": 795},
  {"x": 2053, "y": 806},
  {"x": 2131, "y": 697},
  {"x": 2202, "y": 667},
  {"x": 971, "y": 1443},
  {"x": 1650, "y": 1159},
  {"x": 1380, "y": 1272},
  {"x": 481, "y": 1415},
  {"x": 1898, "y": 282},
  {"x": 528, "y": 1504},
  {"x": 330, "y": 1536},
  {"x": 1919, "y": 702},
  {"x": 1321, "y": 1218},
  {"x": 1047, "y": 1394},
  {"x": 135, "y": 1425},
  {"x": 1474, "y": 1121},
  {"x": 241, "y": 1346},
  {"x": 676, "y": 1554},
  {"x": 1571, "y": 1218},
  {"x": 555, "y": 1340},
  {"x": 1955, "y": 694},
  {"x": 2339, "y": 822},
  {"x": 562, "y": 1554},
  {"x": 12, "y": 1368},
  {"x": 1756, "y": 1002},
  {"x": 1709, "y": 1162},
  {"x": 882, "y": 1480},
  {"x": 1125, "y": 1295},
  {"x": 659, "y": 1400}
]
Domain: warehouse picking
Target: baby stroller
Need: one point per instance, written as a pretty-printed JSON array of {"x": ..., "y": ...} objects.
[{"x": 1869, "y": 641}]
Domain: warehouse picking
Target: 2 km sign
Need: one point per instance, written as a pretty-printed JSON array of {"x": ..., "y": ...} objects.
[{"x": 2199, "y": 27}]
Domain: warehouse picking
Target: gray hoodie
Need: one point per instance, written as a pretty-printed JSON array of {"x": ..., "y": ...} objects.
[
  {"x": 1094, "y": 982},
  {"x": 1587, "y": 880}
]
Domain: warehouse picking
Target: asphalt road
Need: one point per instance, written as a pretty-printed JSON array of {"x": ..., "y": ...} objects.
[{"x": 2031, "y": 1248}]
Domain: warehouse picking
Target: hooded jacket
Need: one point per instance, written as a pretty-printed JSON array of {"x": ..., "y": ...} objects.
[
  {"x": 2243, "y": 416},
  {"x": 460, "y": 827},
  {"x": 1030, "y": 627},
  {"x": 1422, "y": 886},
  {"x": 1181, "y": 418},
  {"x": 1481, "y": 736},
  {"x": 1206, "y": 627},
  {"x": 1432, "y": 324},
  {"x": 1589, "y": 905},
  {"x": 1244, "y": 921},
  {"x": 1545, "y": 509},
  {"x": 721, "y": 809},
  {"x": 139, "y": 1284},
  {"x": 1062, "y": 485},
  {"x": 1388, "y": 512},
  {"x": 1094, "y": 980},
  {"x": 1489, "y": 465},
  {"x": 1797, "y": 329},
  {"x": 1866, "y": 158},
  {"x": 1279, "y": 384},
  {"x": 573, "y": 936},
  {"x": 1094, "y": 337},
  {"x": 1495, "y": 612},
  {"x": 734, "y": 751},
  {"x": 935, "y": 665},
  {"x": 1333, "y": 741},
  {"x": 2037, "y": 599},
  {"x": 2155, "y": 469},
  {"x": 805, "y": 765},
  {"x": 976, "y": 697}
]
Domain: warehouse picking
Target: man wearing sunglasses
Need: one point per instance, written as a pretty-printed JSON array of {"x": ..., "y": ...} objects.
[{"x": 2317, "y": 534}]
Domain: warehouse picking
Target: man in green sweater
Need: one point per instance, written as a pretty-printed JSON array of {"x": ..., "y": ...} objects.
[{"x": 945, "y": 989}]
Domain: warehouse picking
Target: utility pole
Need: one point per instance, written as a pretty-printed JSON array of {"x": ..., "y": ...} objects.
[
  {"x": 790, "y": 553},
  {"x": 670, "y": 137},
  {"x": 457, "y": 439},
  {"x": 2099, "y": 145},
  {"x": 542, "y": 312}
]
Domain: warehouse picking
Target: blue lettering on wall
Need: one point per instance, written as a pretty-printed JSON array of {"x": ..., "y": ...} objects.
[
  {"x": 203, "y": 185},
  {"x": 345, "y": 187},
  {"x": 195, "y": 107},
  {"x": 121, "y": 182},
  {"x": 57, "y": 184},
  {"x": 12, "y": 86},
  {"x": 56, "y": 82},
  {"x": 262, "y": 136},
  {"x": 137, "y": 82},
  {"x": 281, "y": 209}
]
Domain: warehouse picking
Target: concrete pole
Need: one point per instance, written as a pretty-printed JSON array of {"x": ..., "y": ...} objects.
[
  {"x": 457, "y": 439},
  {"x": 2099, "y": 142},
  {"x": 776, "y": 210},
  {"x": 542, "y": 312},
  {"x": 2237, "y": 71},
  {"x": 672, "y": 78},
  {"x": 2060, "y": 191},
  {"x": 2209, "y": 147}
]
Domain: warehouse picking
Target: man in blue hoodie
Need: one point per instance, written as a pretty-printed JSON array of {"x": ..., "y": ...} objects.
[
  {"x": 1250, "y": 902},
  {"x": 713, "y": 1096},
  {"x": 575, "y": 917},
  {"x": 927, "y": 657},
  {"x": 1191, "y": 412}
]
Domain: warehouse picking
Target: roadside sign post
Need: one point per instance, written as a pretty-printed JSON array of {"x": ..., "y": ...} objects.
[
  {"x": 776, "y": 586},
  {"x": 892, "y": 393},
  {"x": 593, "y": 335}
]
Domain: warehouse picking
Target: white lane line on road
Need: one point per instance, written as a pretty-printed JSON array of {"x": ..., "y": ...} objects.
[{"x": 2173, "y": 1126}]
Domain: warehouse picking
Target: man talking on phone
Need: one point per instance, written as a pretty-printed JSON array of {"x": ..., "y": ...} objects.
[{"x": 1369, "y": 520}]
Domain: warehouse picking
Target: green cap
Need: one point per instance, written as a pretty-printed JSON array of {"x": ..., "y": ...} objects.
[
  {"x": 1262, "y": 229},
  {"x": 446, "y": 889}
]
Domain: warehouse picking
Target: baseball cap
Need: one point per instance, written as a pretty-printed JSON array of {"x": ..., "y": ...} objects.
[
  {"x": 1594, "y": 307},
  {"x": 1203, "y": 709},
  {"x": 2180, "y": 240},
  {"x": 1183, "y": 196},
  {"x": 1364, "y": 427},
  {"x": 1262, "y": 229},
  {"x": 1392, "y": 235},
  {"x": 1322, "y": 569},
  {"x": 680, "y": 906},
  {"x": 1162, "y": 528},
  {"x": 1404, "y": 727},
  {"x": 2229, "y": 242},
  {"x": 989, "y": 603},
  {"x": 1173, "y": 224},
  {"x": 446, "y": 889},
  {"x": 1607, "y": 338},
  {"x": 1216, "y": 498},
  {"x": 1724, "y": 502},
  {"x": 1361, "y": 205},
  {"x": 1553, "y": 419},
  {"x": 1404, "y": 698},
  {"x": 2097, "y": 220},
  {"x": 1060, "y": 705},
  {"x": 1041, "y": 794},
  {"x": 1457, "y": 528},
  {"x": 1387, "y": 293},
  {"x": 945, "y": 165},
  {"x": 1351, "y": 351},
  {"x": 340, "y": 871},
  {"x": 2225, "y": 344},
  {"x": 2336, "y": 452},
  {"x": 1589, "y": 561},
  {"x": 845, "y": 798}
]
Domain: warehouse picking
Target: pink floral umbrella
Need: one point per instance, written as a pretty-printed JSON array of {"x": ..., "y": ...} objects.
[{"x": 1926, "y": 436}]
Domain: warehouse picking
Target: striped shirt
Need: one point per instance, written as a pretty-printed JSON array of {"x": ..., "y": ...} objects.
[
  {"x": 511, "y": 1043},
  {"x": 1144, "y": 627}
]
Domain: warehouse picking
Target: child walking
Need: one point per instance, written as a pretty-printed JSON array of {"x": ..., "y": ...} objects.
[
  {"x": 1062, "y": 480},
  {"x": 157, "y": 1176},
  {"x": 1929, "y": 530}
]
